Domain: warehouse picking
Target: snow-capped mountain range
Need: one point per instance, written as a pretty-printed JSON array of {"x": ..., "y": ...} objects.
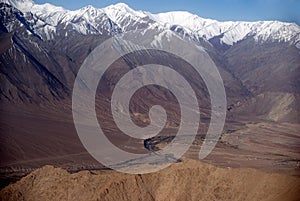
[
  {"x": 43, "y": 46},
  {"x": 120, "y": 17}
]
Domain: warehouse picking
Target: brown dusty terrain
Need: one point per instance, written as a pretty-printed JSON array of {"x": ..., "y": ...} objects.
[
  {"x": 188, "y": 180},
  {"x": 268, "y": 146},
  {"x": 32, "y": 139}
]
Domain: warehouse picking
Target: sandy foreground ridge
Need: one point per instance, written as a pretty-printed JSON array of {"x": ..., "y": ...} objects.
[{"x": 187, "y": 180}]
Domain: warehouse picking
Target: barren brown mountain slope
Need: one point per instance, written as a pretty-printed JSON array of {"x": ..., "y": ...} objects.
[{"x": 188, "y": 180}]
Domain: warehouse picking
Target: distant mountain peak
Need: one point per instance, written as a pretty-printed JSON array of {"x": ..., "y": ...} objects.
[
  {"x": 22, "y": 5},
  {"x": 123, "y": 5},
  {"x": 18, "y": 1},
  {"x": 120, "y": 10},
  {"x": 228, "y": 32}
]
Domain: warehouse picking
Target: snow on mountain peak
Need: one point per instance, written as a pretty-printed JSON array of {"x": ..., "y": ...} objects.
[
  {"x": 121, "y": 10},
  {"x": 88, "y": 7},
  {"x": 22, "y": 5},
  {"x": 182, "y": 18},
  {"x": 122, "y": 5},
  {"x": 229, "y": 32},
  {"x": 46, "y": 8},
  {"x": 125, "y": 17}
]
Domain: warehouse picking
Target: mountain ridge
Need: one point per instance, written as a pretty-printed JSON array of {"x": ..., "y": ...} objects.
[
  {"x": 188, "y": 180},
  {"x": 230, "y": 32}
]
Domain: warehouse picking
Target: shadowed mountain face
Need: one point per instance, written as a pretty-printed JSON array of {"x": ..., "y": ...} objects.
[{"x": 42, "y": 48}]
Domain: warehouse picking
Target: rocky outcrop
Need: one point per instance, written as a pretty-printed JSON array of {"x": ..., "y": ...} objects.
[{"x": 188, "y": 180}]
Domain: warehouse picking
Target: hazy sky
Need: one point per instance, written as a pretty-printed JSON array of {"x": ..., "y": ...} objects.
[{"x": 246, "y": 10}]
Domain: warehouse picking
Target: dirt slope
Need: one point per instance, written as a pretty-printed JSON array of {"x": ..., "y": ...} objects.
[{"x": 188, "y": 180}]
